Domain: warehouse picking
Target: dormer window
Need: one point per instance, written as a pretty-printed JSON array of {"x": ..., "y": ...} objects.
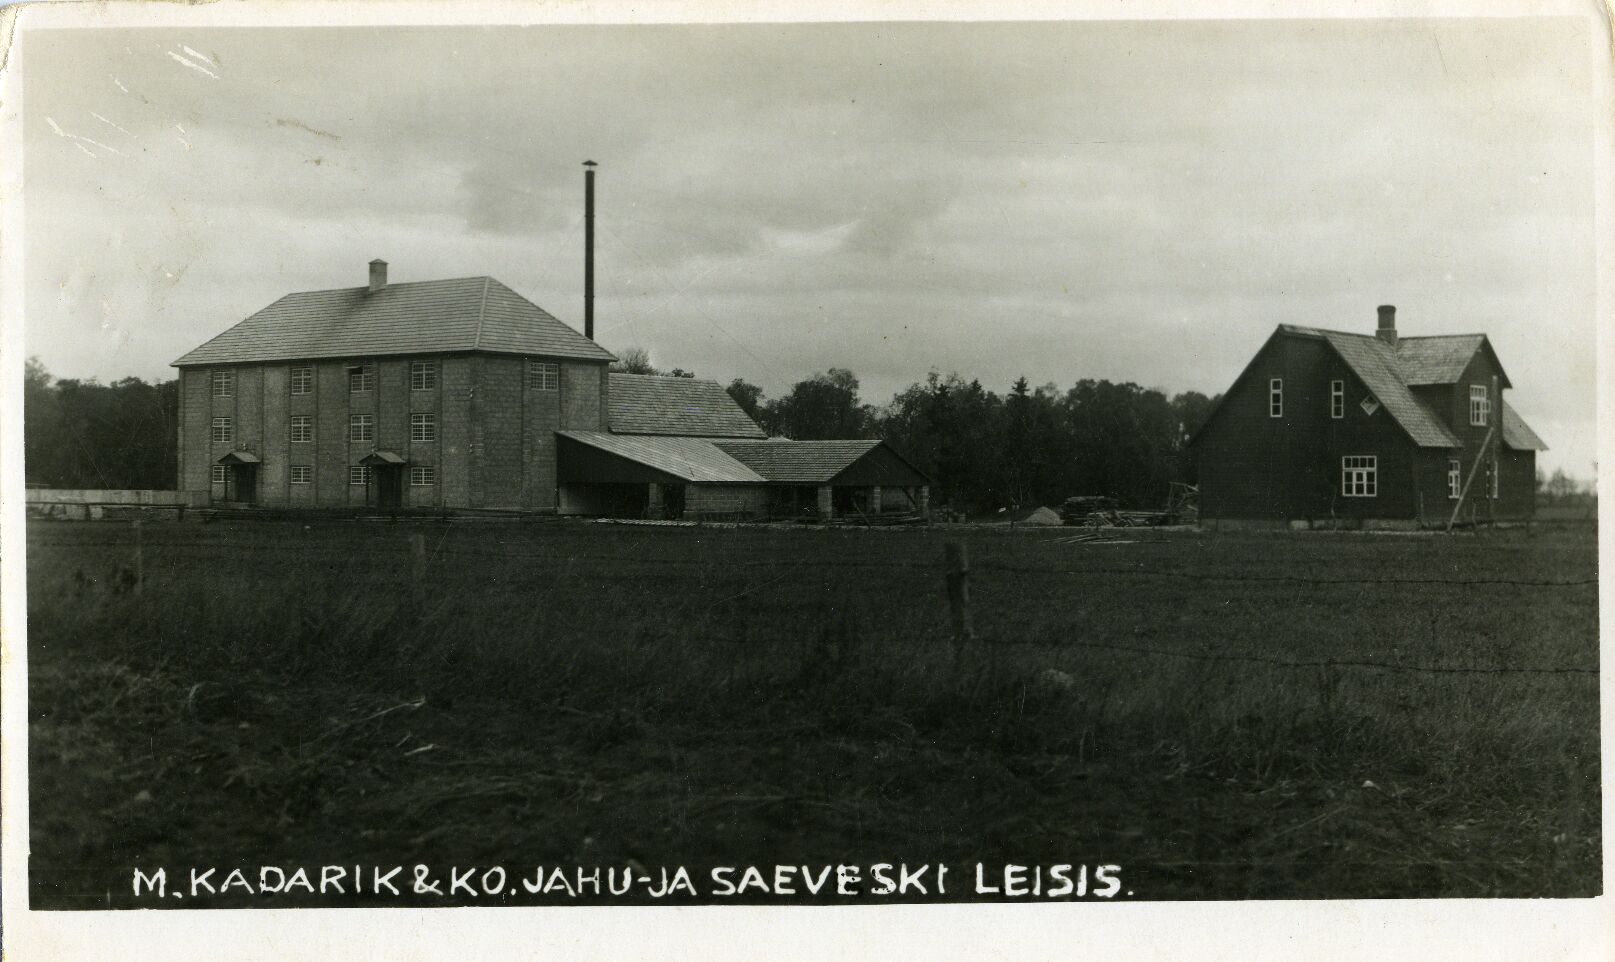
[{"x": 1480, "y": 406}]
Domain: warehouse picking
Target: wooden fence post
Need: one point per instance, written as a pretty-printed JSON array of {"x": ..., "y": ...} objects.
[
  {"x": 958, "y": 581},
  {"x": 417, "y": 567},
  {"x": 140, "y": 557}
]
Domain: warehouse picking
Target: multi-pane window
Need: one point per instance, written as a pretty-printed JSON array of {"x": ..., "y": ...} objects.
[
  {"x": 302, "y": 380},
  {"x": 1358, "y": 476},
  {"x": 302, "y": 427},
  {"x": 1455, "y": 485},
  {"x": 361, "y": 380},
  {"x": 1480, "y": 406},
  {"x": 1275, "y": 398},
  {"x": 216, "y": 474},
  {"x": 423, "y": 427},
  {"x": 422, "y": 375},
  {"x": 1337, "y": 399},
  {"x": 361, "y": 427},
  {"x": 543, "y": 376},
  {"x": 224, "y": 383},
  {"x": 223, "y": 430},
  {"x": 422, "y": 474},
  {"x": 358, "y": 474},
  {"x": 302, "y": 474}
]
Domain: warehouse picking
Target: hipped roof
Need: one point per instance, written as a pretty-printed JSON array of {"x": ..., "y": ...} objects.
[
  {"x": 688, "y": 407},
  {"x": 421, "y": 317}
]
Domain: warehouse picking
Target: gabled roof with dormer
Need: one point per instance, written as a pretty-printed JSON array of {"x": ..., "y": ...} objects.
[
  {"x": 419, "y": 317},
  {"x": 1391, "y": 372}
]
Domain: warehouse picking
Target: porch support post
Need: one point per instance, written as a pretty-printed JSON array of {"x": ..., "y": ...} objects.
[
  {"x": 874, "y": 500},
  {"x": 924, "y": 501},
  {"x": 653, "y": 503},
  {"x": 826, "y": 503}
]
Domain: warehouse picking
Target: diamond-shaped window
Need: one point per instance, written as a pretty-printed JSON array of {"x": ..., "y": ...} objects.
[{"x": 1370, "y": 405}]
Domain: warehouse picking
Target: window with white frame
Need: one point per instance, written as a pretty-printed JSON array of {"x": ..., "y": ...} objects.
[
  {"x": 302, "y": 379},
  {"x": 543, "y": 375},
  {"x": 223, "y": 430},
  {"x": 361, "y": 380},
  {"x": 1480, "y": 406},
  {"x": 302, "y": 428},
  {"x": 1496, "y": 480},
  {"x": 421, "y": 475},
  {"x": 1358, "y": 476},
  {"x": 423, "y": 427},
  {"x": 361, "y": 427},
  {"x": 216, "y": 474},
  {"x": 358, "y": 474},
  {"x": 422, "y": 375},
  {"x": 224, "y": 383},
  {"x": 1337, "y": 399},
  {"x": 1275, "y": 398},
  {"x": 302, "y": 474},
  {"x": 1455, "y": 481}
]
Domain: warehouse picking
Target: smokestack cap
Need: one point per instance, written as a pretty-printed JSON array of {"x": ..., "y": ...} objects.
[{"x": 378, "y": 275}]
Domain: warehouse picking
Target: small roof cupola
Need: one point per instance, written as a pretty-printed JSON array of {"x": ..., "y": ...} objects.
[{"x": 378, "y": 275}]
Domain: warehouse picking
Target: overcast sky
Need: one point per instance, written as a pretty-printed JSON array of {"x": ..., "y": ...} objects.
[{"x": 1132, "y": 201}]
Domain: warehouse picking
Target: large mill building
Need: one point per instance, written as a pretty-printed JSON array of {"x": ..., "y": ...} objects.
[{"x": 462, "y": 394}]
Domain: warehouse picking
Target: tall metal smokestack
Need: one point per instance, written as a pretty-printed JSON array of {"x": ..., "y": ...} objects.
[{"x": 588, "y": 249}]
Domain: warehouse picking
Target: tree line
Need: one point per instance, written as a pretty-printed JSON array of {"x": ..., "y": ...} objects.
[
  {"x": 984, "y": 450},
  {"x": 84, "y": 434}
]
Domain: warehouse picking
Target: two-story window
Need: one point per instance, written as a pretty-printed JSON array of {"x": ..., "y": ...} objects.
[
  {"x": 1359, "y": 476},
  {"x": 421, "y": 475},
  {"x": 361, "y": 427},
  {"x": 1455, "y": 485},
  {"x": 1480, "y": 406},
  {"x": 224, "y": 430},
  {"x": 543, "y": 376},
  {"x": 361, "y": 380},
  {"x": 302, "y": 380},
  {"x": 224, "y": 383},
  {"x": 422, "y": 375},
  {"x": 1275, "y": 398},
  {"x": 302, "y": 474},
  {"x": 423, "y": 427},
  {"x": 302, "y": 428},
  {"x": 1337, "y": 399}
]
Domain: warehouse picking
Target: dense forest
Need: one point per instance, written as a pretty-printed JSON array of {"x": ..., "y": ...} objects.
[{"x": 83, "y": 434}]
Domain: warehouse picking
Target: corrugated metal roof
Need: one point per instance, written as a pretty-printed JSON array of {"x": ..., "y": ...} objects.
[
  {"x": 422, "y": 317},
  {"x": 650, "y": 404},
  {"x": 1517, "y": 434},
  {"x": 1436, "y": 360},
  {"x": 802, "y": 462},
  {"x": 693, "y": 459}
]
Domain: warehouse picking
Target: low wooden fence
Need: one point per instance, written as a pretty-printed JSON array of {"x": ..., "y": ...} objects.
[{"x": 111, "y": 505}]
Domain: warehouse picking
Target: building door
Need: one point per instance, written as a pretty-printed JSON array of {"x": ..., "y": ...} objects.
[
  {"x": 389, "y": 486},
  {"x": 243, "y": 483},
  {"x": 673, "y": 500}
]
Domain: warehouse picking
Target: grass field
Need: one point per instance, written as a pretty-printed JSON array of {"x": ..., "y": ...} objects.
[{"x": 1224, "y": 716}]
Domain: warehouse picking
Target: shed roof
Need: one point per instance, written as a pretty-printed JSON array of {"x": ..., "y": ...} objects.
[
  {"x": 802, "y": 462},
  {"x": 421, "y": 317},
  {"x": 693, "y": 459},
  {"x": 652, "y": 404},
  {"x": 1517, "y": 434}
]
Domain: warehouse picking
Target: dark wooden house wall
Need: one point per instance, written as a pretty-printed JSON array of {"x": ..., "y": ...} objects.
[{"x": 1256, "y": 466}]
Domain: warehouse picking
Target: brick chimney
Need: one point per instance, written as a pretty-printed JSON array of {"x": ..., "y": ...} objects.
[
  {"x": 378, "y": 275},
  {"x": 1387, "y": 324}
]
